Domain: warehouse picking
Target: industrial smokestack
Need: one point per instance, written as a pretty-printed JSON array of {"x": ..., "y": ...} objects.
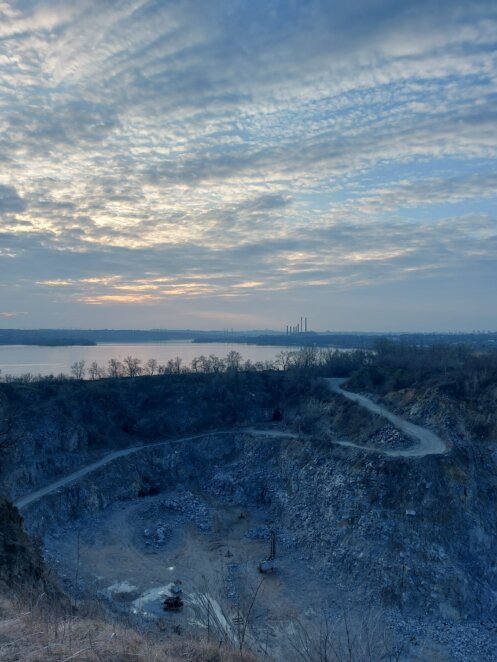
[{"x": 306, "y": 324}]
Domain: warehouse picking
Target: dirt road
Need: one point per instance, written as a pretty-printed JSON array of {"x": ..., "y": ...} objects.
[
  {"x": 428, "y": 443},
  {"x": 114, "y": 455}
]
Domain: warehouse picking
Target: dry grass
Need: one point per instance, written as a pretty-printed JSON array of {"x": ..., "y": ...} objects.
[{"x": 39, "y": 632}]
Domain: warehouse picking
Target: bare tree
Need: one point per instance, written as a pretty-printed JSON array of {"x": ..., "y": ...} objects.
[
  {"x": 151, "y": 367},
  {"x": 115, "y": 368},
  {"x": 307, "y": 358},
  {"x": 132, "y": 366},
  {"x": 222, "y": 620},
  {"x": 173, "y": 366},
  {"x": 216, "y": 364},
  {"x": 248, "y": 602},
  {"x": 233, "y": 361},
  {"x": 202, "y": 364},
  {"x": 94, "y": 371},
  {"x": 346, "y": 638},
  {"x": 285, "y": 359},
  {"x": 78, "y": 370}
]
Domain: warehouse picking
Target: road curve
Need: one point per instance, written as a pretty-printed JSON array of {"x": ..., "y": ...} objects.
[
  {"x": 428, "y": 443},
  {"x": 114, "y": 455}
]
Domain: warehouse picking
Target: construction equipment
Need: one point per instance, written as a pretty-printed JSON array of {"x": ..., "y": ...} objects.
[
  {"x": 176, "y": 587},
  {"x": 173, "y": 603}
]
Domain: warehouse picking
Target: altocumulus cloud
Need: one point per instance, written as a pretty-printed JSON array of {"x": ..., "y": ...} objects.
[{"x": 166, "y": 163}]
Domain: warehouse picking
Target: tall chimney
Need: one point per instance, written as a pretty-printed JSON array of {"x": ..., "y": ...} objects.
[{"x": 306, "y": 324}]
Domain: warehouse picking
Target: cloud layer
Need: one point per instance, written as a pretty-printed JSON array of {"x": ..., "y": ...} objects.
[{"x": 180, "y": 163}]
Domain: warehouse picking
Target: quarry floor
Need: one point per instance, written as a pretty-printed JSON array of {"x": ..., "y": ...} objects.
[{"x": 133, "y": 553}]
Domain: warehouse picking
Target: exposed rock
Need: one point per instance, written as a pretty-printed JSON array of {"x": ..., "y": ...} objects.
[{"x": 21, "y": 563}]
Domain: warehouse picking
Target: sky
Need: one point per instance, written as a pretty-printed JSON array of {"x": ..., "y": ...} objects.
[{"x": 240, "y": 163}]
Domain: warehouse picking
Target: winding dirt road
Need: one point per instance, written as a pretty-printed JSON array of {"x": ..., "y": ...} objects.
[{"x": 428, "y": 443}]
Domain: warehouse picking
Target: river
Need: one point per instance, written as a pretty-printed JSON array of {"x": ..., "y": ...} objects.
[{"x": 20, "y": 359}]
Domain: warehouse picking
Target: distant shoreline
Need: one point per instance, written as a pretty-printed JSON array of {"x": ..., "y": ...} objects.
[
  {"x": 49, "y": 343},
  {"x": 339, "y": 340}
]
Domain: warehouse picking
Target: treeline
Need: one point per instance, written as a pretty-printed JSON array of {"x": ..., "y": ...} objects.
[
  {"x": 457, "y": 369},
  {"x": 390, "y": 366},
  {"x": 308, "y": 359},
  {"x": 43, "y": 338},
  {"x": 211, "y": 391},
  {"x": 364, "y": 341},
  {"x": 63, "y": 337},
  {"x": 131, "y": 367},
  {"x": 107, "y": 411},
  {"x": 56, "y": 337}
]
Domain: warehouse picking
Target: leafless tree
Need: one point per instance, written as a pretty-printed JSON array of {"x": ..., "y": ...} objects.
[
  {"x": 233, "y": 361},
  {"x": 224, "y": 620},
  {"x": 217, "y": 364},
  {"x": 78, "y": 370},
  {"x": 173, "y": 366},
  {"x": 202, "y": 364},
  {"x": 285, "y": 359},
  {"x": 247, "y": 602},
  {"x": 132, "y": 366},
  {"x": 151, "y": 367},
  {"x": 346, "y": 638},
  {"x": 94, "y": 371},
  {"x": 115, "y": 368}
]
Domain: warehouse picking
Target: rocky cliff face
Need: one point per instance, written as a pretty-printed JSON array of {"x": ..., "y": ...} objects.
[
  {"x": 415, "y": 534},
  {"x": 411, "y": 533},
  {"x": 21, "y": 563},
  {"x": 57, "y": 427}
]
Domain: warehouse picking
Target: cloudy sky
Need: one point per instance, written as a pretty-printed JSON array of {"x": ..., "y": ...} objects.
[{"x": 213, "y": 163}]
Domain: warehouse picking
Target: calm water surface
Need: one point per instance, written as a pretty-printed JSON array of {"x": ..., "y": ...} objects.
[{"x": 20, "y": 359}]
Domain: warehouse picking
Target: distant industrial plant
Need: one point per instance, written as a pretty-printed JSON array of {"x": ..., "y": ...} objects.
[{"x": 301, "y": 327}]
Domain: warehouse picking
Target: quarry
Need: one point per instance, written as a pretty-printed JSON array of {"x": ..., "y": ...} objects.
[{"x": 261, "y": 533}]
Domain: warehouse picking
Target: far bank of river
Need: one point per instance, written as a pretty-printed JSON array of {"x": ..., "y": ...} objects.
[{"x": 20, "y": 359}]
